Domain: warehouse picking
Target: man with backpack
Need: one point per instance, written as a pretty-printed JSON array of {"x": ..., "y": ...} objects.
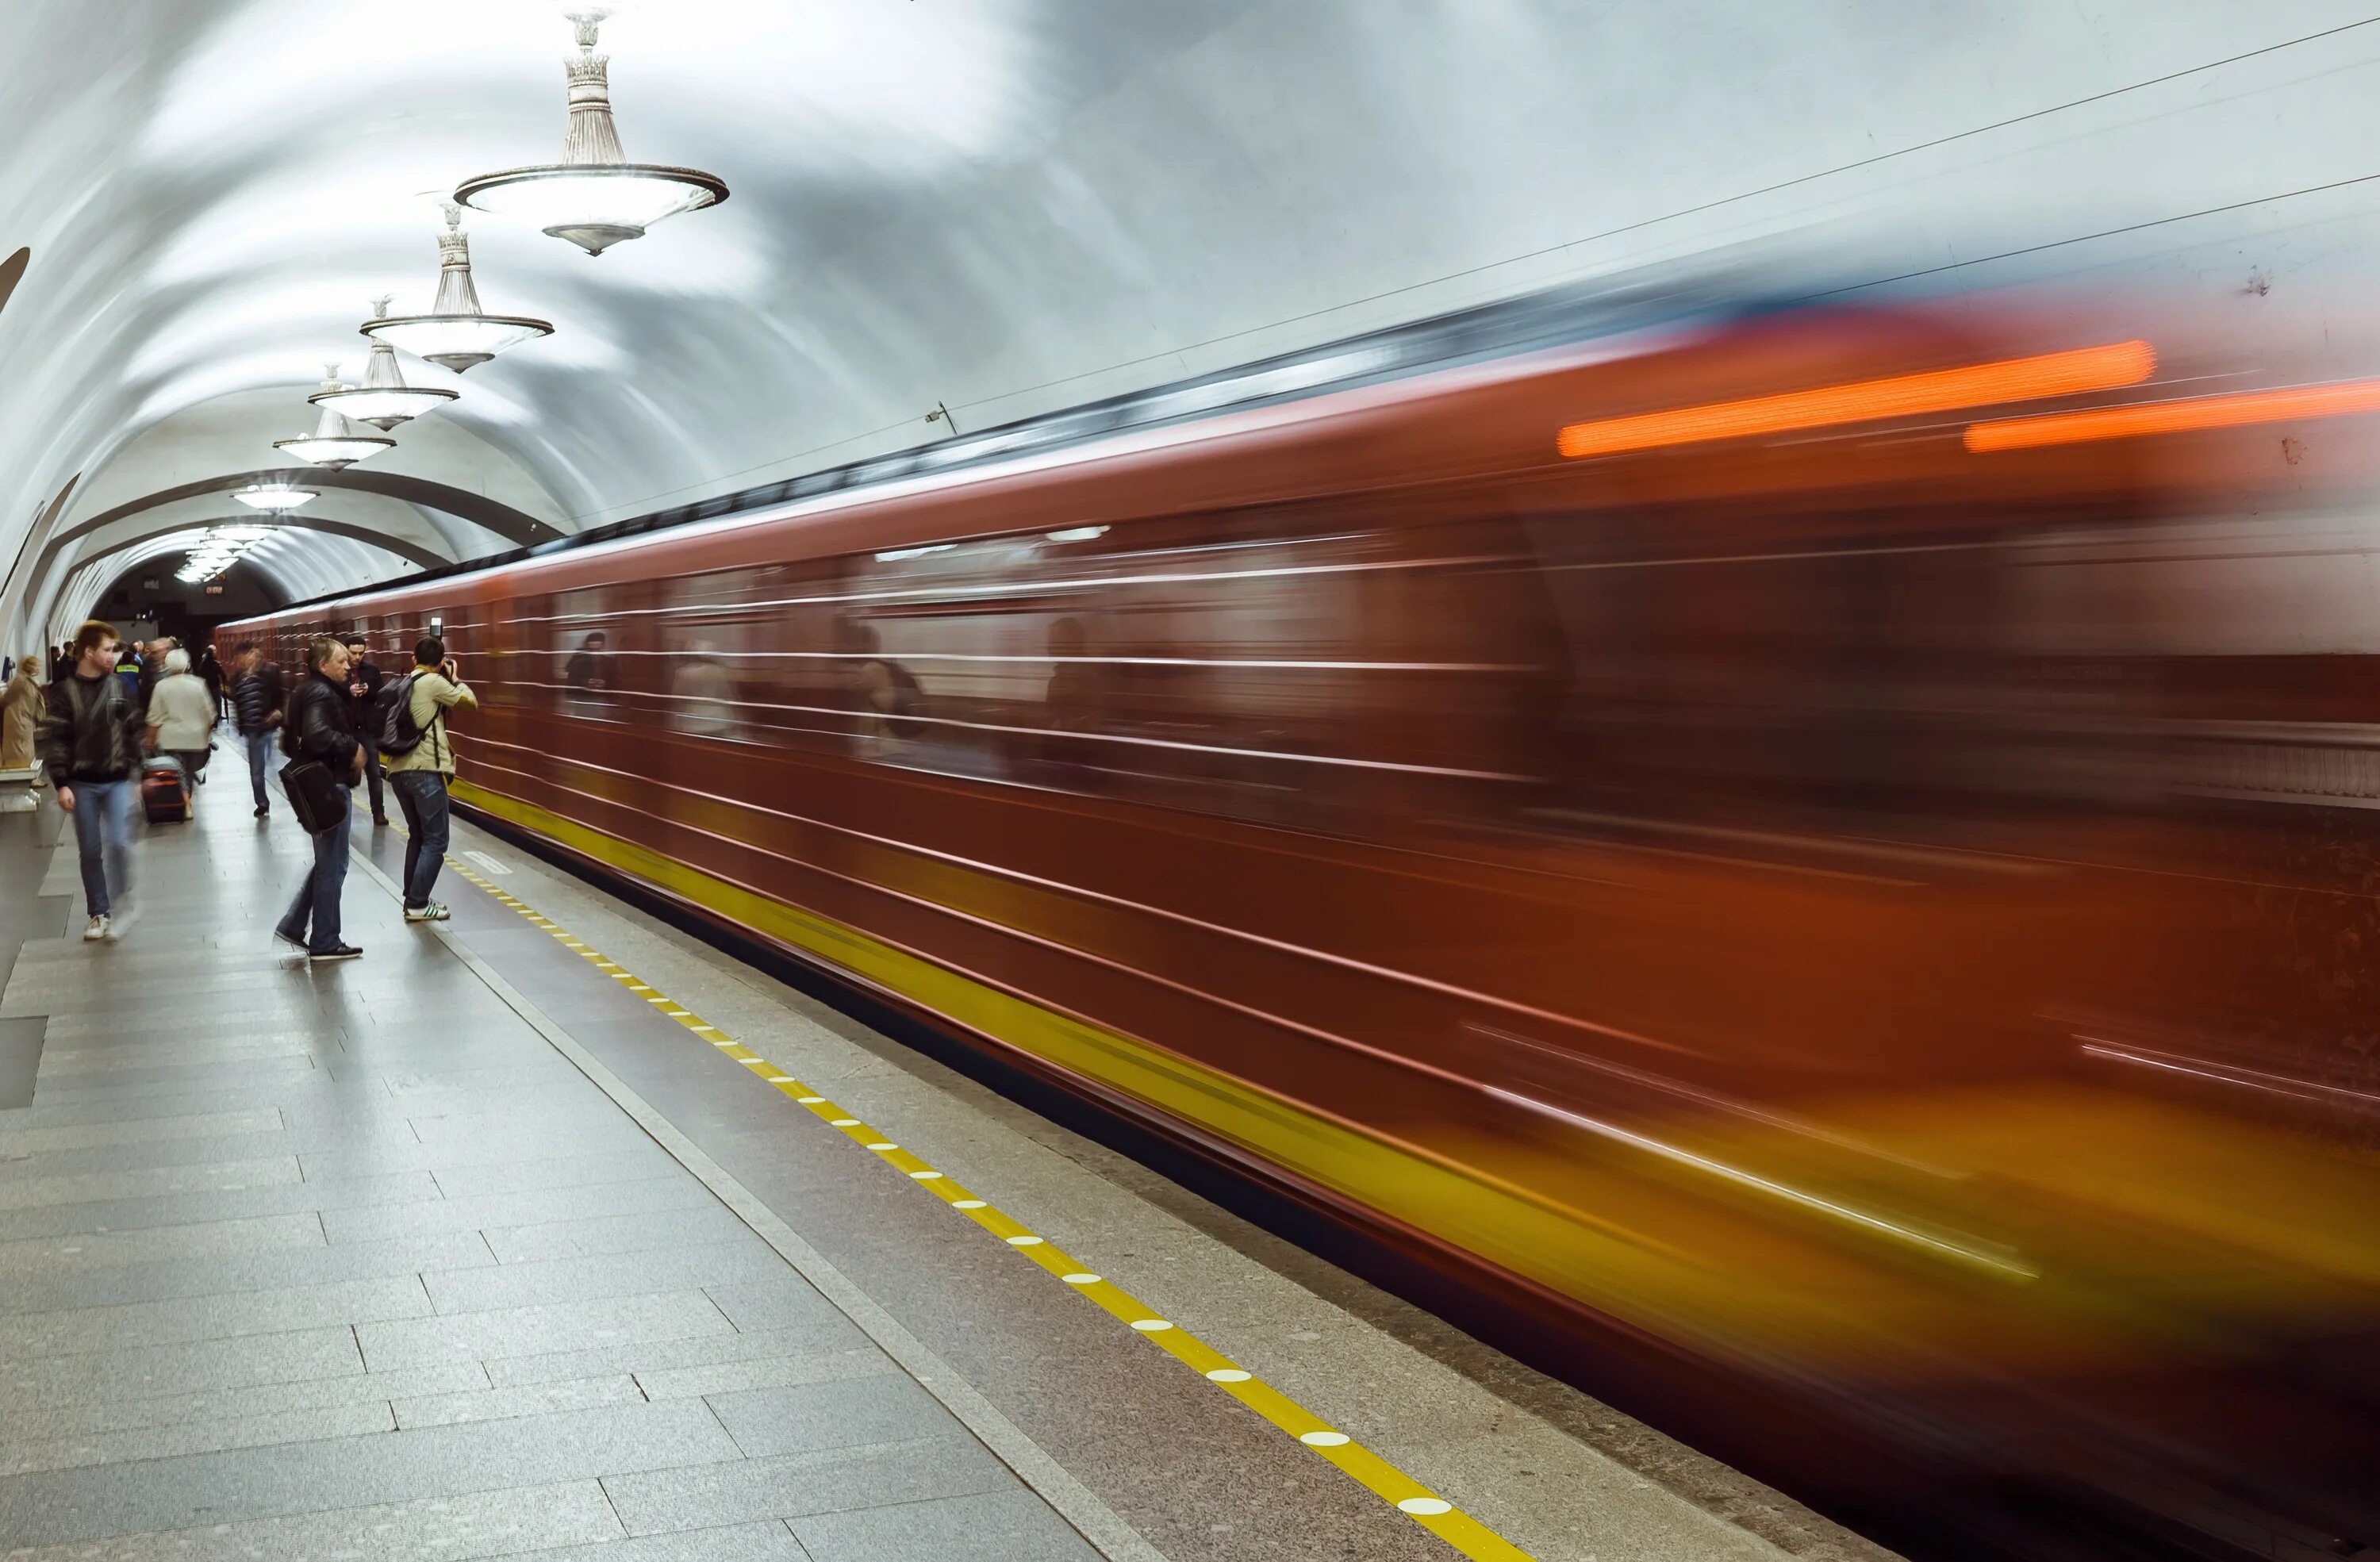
[{"x": 412, "y": 730}]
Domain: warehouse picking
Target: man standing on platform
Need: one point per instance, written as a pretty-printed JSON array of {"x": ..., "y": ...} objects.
[
  {"x": 421, "y": 773},
  {"x": 256, "y": 714},
  {"x": 363, "y": 705},
  {"x": 322, "y": 728},
  {"x": 90, "y": 744}
]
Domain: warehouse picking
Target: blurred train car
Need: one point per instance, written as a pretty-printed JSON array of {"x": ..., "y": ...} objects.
[{"x": 1829, "y": 851}]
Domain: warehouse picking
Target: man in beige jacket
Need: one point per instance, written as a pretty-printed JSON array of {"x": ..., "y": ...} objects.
[{"x": 421, "y": 774}]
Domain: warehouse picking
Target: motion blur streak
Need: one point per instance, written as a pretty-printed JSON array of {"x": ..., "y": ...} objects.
[
  {"x": 1351, "y": 792},
  {"x": 2068, "y": 373},
  {"x": 2181, "y": 415}
]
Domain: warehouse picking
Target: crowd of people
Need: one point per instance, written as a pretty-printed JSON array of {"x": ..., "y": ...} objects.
[{"x": 114, "y": 716}]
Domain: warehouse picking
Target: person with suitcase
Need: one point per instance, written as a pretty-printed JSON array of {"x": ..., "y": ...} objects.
[
  {"x": 181, "y": 724},
  {"x": 91, "y": 745},
  {"x": 325, "y": 762}
]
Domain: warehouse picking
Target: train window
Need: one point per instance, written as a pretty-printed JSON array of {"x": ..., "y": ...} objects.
[{"x": 585, "y": 673}]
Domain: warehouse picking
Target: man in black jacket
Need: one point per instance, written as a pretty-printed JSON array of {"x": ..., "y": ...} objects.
[
  {"x": 320, "y": 729},
  {"x": 364, "y": 680},
  {"x": 90, "y": 744}
]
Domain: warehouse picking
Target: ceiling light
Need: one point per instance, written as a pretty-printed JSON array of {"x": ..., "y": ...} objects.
[
  {"x": 384, "y": 400},
  {"x": 456, "y": 332},
  {"x": 336, "y": 443},
  {"x": 276, "y": 496},
  {"x": 594, "y": 197},
  {"x": 1078, "y": 534}
]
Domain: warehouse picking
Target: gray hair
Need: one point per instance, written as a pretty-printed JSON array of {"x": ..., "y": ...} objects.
[{"x": 177, "y": 661}]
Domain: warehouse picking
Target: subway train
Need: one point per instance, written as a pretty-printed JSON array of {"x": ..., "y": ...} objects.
[{"x": 1825, "y": 858}]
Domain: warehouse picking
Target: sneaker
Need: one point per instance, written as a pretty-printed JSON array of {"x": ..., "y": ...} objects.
[
  {"x": 96, "y": 929},
  {"x": 324, "y": 957},
  {"x": 291, "y": 940},
  {"x": 434, "y": 911},
  {"x": 120, "y": 921},
  {"x": 261, "y": 812}
]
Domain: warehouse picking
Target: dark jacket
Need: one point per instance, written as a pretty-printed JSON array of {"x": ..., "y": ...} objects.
[
  {"x": 94, "y": 731},
  {"x": 254, "y": 698},
  {"x": 359, "y": 707},
  {"x": 320, "y": 727}
]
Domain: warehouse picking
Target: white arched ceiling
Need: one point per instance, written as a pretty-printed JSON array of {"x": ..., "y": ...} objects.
[{"x": 1013, "y": 205}]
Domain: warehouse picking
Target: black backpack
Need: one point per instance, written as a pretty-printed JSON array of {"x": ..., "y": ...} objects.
[{"x": 393, "y": 717}]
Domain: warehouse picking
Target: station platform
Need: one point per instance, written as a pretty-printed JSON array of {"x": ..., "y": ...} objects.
[{"x": 552, "y": 1231}]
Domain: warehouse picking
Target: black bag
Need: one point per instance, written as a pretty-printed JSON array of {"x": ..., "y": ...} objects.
[
  {"x": 315, "y": 796},
  {"x": 393, "y": 717}
]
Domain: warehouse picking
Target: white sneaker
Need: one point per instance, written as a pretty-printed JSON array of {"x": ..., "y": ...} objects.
[
  {"x": 98, "y": 928},
  {"x": 434, "y": 912}
]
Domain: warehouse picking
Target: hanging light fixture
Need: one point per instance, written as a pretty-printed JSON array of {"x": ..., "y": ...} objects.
[
  {"x": 219, "y": 550},
  {"x": 336, "y": 443},
  {"x": 276, "y": 496},
  {"x": 594, "y": 197},
  {"x": 384, "y": 400},
  {"x": 456, "y": 332}
]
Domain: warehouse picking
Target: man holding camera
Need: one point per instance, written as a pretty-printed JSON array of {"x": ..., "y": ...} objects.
[{"x": 420, "y": 773}]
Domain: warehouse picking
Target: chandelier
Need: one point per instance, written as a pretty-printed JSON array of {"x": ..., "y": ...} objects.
[
  {"x": 336, "y": 443},
  {"x": 218, "y": 550},
  {"x": 384, "y": 400},
  {"x": 456, "y": 332},
  {"x": 276, "y": 496},
  {"x": 594, "y": 197}
]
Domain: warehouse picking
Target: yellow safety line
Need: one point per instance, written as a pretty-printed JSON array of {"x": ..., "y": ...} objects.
[{"x": 1368, "y": 1470}]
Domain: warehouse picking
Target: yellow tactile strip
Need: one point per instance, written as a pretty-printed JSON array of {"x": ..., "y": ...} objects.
[{"x": 1376, "y": 1475}]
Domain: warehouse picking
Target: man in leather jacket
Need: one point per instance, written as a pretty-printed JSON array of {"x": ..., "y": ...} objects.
[
  {"x": 90, "y": 744},
  {"x": 319, "y": 728}
]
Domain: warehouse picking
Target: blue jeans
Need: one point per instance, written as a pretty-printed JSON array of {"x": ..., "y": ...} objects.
[
  {"x": 103, "y": 816},
  {"x": 422, "y": 795},
  {"x": 318, "y": 893},
  {"x": 260, "y": 759}
]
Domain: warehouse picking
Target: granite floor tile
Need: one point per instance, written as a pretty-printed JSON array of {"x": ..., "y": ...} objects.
[
  {"x": 644, "y": 1358},
  {"x": 219, "y": 1315},
  {"x": 180, "y": 1369},
  {"x": 94, "y": 1416},
  {"x": 98, "y": 1187},
  {"x": 29, "y": 1140},
  {"x": 407, "y": 1190},
  {"x": 710, "y": 1496},
  {"x": 766, "y": 1371},
  {"x": 55, "y": 1506},
  {"x": 318, "y": 1263},
  {"x": 767, "y": 1540},
  {"x": 1012, "y": 1526},
  {"x": 360, "y": 1221},
  {"x": 261, "y": 1080},
  {"x": 524, "y": 1331},
  {"x": 785, "y": 1302},
  {"x": 627, "y": 1163},
  {"x": 804, "y": 1418},
  {"x": 523, "y": 1285},
  {"x": 613, "y": 1234},
  {"x": 29, "y": 1260},
  {"x": 216, "y": 1434},
  {"x": 442, "y": 1528},
  {"x": 499, "y": 1404}
]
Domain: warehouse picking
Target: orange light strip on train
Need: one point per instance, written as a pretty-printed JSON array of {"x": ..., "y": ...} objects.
[
  {"x": 2071, "y": 372},
  {"x": 2183, "y": 415}
]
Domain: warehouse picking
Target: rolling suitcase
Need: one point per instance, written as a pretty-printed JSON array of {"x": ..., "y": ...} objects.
[{"x": 164, "y": 794}]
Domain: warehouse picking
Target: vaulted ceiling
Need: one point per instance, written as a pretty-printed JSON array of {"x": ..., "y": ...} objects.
[{"x": 1007, "y": 206}]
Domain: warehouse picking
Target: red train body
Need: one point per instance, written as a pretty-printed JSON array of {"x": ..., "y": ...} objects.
[{"x": 1772, "y": 883}]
